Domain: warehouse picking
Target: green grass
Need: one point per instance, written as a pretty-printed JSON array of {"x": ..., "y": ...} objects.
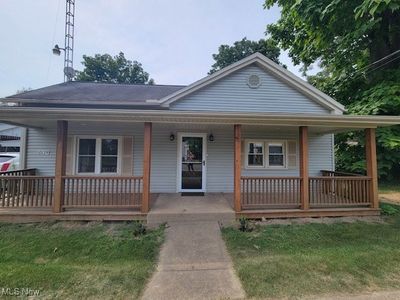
[
  {"x": 389, "y": 187},
  {"x": 77, "y": 260},
  {"x": 388, "y": 209},
  {"x": 314, "y": 259}
]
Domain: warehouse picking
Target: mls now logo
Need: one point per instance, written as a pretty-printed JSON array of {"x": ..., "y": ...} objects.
[{"x": 19, "y": 292}]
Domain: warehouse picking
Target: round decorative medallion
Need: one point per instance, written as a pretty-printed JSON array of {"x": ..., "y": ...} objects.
[{"x": 254, "y": 81}]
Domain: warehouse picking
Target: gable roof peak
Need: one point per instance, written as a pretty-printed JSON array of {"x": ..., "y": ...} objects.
[{"x": 269, "y": 65}]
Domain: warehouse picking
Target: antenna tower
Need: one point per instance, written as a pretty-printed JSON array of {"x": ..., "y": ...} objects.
[{"x": 69, "y": 40}]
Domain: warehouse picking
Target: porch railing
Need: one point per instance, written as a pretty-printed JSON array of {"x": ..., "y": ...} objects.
[
  {"x": 337, "y": 173},
  {"x": 23, "y": 172},
  {"x": 26, "y": 191},
  {"x": 340, "y": 191},
  {"x": 324, "y": 192},
  {"x": 79, "y": 192},
  {"x": 270, "y": 192},
  {"x": 102, "y": 192}
]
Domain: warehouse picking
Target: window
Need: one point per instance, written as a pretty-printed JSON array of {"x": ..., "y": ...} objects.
[
  {"x": 109, "y": 156},
  {"x": 255, "y": 154},
  {"x": 274, "y": 157},
  {"x": 87, "y": 156},
  {"x": 98, "y": 155}
]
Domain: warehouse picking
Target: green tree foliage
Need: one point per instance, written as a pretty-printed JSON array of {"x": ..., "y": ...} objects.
[
  {"x": 228, "y": 55},
  {"x": 355, "y": 43},
  {"x": 117, "y": 69},
  {"x": 23, "y": 90}
]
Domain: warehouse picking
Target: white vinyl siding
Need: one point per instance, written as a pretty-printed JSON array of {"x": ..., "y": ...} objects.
[
  {"x": 41, "y": 143},
  {"x": 41, "y": 151},
  {"x": 232, "y": 94}
]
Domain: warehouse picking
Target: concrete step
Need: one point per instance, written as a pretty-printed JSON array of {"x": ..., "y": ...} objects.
[{"x": 164, "y": 217}]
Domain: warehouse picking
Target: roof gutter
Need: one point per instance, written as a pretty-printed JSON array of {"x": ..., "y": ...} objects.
[
  {"x": 74, "y": 102},
  {"x": 166, "y": 116}
]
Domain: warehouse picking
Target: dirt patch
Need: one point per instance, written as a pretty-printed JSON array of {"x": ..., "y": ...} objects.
[
  {"x": 41, "y": 261},
  {"x": 390, "y": 198},
  {"x": 75, "y": 224}
]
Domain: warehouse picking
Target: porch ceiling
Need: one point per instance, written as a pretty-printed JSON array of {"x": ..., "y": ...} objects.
[{"x": 45, "y": 117}]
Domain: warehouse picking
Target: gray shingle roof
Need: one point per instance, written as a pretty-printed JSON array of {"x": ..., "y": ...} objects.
[{"x": 88, "y": 92}]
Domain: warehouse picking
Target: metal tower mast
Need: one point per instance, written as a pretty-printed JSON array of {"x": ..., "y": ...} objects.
[{"x": 69, "y": 40}]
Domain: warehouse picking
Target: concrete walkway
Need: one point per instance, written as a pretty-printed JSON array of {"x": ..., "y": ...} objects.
[{"x": 194, "y": 264}]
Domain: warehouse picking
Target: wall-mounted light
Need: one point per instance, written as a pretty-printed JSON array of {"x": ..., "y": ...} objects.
[
  {"x": 211, "y": 137},
  {"x": 172, "y": 137}
]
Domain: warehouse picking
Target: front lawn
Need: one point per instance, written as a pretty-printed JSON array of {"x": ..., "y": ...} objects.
[
  {"x": 77, "y": 260},
  {"x": 314, "y": 259}
]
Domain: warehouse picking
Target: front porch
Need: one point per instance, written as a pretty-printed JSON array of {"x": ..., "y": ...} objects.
[
  {"x": 31, "y": 198},
  {"x": 170, "y": 208},
  {"x": 64, "y": 196}
]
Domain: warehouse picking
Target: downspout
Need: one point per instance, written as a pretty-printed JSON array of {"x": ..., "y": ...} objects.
[
  {"x": 333, "y": 152},
  {"x": 22, "y": 148}
]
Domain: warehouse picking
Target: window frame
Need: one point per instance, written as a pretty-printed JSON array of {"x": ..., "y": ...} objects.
[
  {"x": 247, "y": 152},
  {"x": 266, "y": 144},
  {"x": 98, "y": 155},
  {"x": 282, "y": 143}
]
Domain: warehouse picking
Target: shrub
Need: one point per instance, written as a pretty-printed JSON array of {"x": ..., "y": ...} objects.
[
  {"x": 139, "y": 228},
  {"x": 245, "y": 225}
]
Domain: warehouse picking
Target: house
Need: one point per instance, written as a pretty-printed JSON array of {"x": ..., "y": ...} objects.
[{"x": 253, "y": 132}]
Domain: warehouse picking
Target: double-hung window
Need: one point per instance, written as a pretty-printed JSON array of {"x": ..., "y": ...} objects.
[
  {"x": 276, "y": 155},
  {"x": 98, "y": 155},
  {"x": 265, "y": 154},
  {"x": 255, "y": 154}
]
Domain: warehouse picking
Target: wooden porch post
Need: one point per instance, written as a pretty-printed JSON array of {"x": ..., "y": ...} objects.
[
  {"x": 146, "y": 166},
  {"x": 237, "y": 166},
  {"x": 304, "y": 186},
  {"x": 372, "y": 169},
  {"x": 61, "y": 155}
]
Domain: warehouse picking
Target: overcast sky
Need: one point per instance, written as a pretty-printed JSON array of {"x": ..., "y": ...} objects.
[{"x": 174, "y": 40}]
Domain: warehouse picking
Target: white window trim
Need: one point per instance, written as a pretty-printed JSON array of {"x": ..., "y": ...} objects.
[
  {"x": 247, "y": 149},
  {"x": 266, "y": 143},
  {"x": 97, "y": 155},
  {"x": 282, "y": 143}
]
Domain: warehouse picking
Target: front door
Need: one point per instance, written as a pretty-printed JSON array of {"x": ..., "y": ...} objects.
[{"x": 191, "y": 162}]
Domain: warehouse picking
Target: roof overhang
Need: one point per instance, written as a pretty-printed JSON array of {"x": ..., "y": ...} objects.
[
  {"x": 34, "y": 117},
  {"x": 149, "y": 103},
  {"x": 264, "y": 62}
]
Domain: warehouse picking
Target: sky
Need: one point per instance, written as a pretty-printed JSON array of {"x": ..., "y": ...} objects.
[{"x": 174, "y": 40}]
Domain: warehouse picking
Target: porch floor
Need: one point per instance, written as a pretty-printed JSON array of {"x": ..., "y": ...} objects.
[
  {"x": 172, "y": 208},
  {"x": 177, "y": 208}
]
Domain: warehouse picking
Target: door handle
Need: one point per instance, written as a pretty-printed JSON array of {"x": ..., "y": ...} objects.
[{"x": 204, "y": 162}]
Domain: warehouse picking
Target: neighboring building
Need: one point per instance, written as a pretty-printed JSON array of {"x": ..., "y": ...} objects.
[
  {"x": 252, "y": 131},
  {"x": 10, "y": 138}
]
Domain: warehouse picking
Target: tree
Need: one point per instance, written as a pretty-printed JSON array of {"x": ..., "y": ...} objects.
[
  {"x": 228, "y": 55},
  {"x": 117, "y": 69},
  {"x": 23, "y": 90},
  {"x": 355, "y": 43}
]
